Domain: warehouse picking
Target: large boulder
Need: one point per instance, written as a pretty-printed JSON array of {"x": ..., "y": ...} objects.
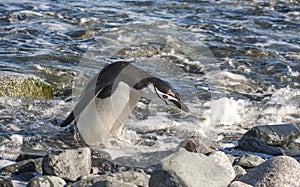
[
  {"x": 19, "y": 85},
  {"x": 280, "y": 171},
  {"x": 68, "y": 164},
  {"x": 223, "y": 160},
  {"x": 184, "y": 168},
  {"x": 273, "y": 135}
]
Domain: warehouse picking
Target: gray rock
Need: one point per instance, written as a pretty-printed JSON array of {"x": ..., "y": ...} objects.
[
  {"x": 274, "y": 135},
  {"x": 88, "y": 180},
  {"x": 294, "y": 145},
  {"x": 239, "y": 184},
  {"x": 292, "y": 153},
  {"x": 189, "y": 169},
  {"x": 98, "y": 157},
  {"x": 111, "y": 183},
  {"x": 27, "y": 176},
  {"x": 32, "y": 154},
  {"x": 138, "y": 178},
  {"x": 47, "y": 181},
  {"x": 31, "y": 165},
  {"x": 21, "y": 85},
  {"x": 195, "y": 145},
  {"x": 5, "y": 182},
  {"x": 68, "y": 164},
  {"x": 250, "y": 161},
  {"x": 239, "y": 171},
  {"x": 126, "y": 178},
  {"x": 256, "y": 145},
  {"x": 222, "y": 160},
  {"x": 143, "y": 160},
  {"x": 281, "y": 171}
]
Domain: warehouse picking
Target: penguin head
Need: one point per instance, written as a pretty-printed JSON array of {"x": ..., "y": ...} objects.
[{"x": 167, "y": 93}]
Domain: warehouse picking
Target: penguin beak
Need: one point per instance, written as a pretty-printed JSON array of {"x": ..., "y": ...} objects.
[{"x": 180, "y": 105}]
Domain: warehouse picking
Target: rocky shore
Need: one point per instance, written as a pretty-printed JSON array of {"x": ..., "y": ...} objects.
[{"x": 264, "y": 156}]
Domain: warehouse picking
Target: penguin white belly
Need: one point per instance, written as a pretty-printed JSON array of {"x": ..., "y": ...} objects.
[{"x": 103, "y": 117}]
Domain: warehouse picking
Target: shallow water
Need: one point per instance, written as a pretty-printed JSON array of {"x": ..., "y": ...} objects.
[{"x": 234, "y": 63}]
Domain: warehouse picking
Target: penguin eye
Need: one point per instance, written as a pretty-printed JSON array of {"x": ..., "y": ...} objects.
[{"x": 165, "y": 96}]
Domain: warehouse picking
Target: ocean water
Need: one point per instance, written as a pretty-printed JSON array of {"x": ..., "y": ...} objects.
[{"x": 236, "y": 64}]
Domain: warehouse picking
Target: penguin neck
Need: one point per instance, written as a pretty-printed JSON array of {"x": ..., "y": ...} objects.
[
  {"x": 146, "y": 88},
  {"x": 147, "y": 82}
]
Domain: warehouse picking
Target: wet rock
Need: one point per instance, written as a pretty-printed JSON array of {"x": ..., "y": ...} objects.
[
  {"x": 112, "y": 183},
  {"x": 195, "y": 145},
  {"x": 222, "y": 160},
  {"x": 277, "y": 172},
  {"x": 5, "y": 182},
  {"x": 25, "y": 155},
  {"x": 294, "y": 145},
  {"x": 144, "y": 159},
  {"x": 4, "y": 162},
  {"x": 250, "y": 161},
  {"x": 68, "y": 164},
  {"x": 51, "y": 181},
  {"x": 82, "y": 34},
  {"x": 98, "y": 157},
  {"x": 31, "y": 165},
  {"x": 126, "y": 178},
  {"x": 189, "y": 169},
  {"x": 239, "y": 171},
  {"x": 292, "y": 153},
  {"x": 138, "y": 178},
  {"x": 256, "y": 145},
  {"x": 149, "y": 50},
  {"x": 274, "y": 135},
  {"x": 88, "y": 180},
  {"x": 97, "y": 181},
  {"x": 239, "y": 184},
  {"x": 19, "y": 85},
  {"x": 27, "y": 176}
]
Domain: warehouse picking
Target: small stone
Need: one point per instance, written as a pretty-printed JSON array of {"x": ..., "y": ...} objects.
[
  {"x": 68, "y": 164},
  {"x": 5, "y": 182},
  {"x": 292, "y": 153},
  {"x": 294, "y": 145},
  {"x": 44, "y": 181},
  {"x": 223, "y": 161},
  {"x": 31, "y": 155},
  {"x": 16, "y": 139},
  {"x": 277, "y": 172},
  {"x": 4, "y": 162},
  {"x": 31, "y": 165},
  {"x": 189, "y": 169},
  {"x": 250, "y": 161},
  {"x": 98, "y": 157},
  {"x": 239, "y": 171},
  {"x": 82, "y": 34},
  {"x": 239, "y": 184},
  {"x": 195, "y": 145}
]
